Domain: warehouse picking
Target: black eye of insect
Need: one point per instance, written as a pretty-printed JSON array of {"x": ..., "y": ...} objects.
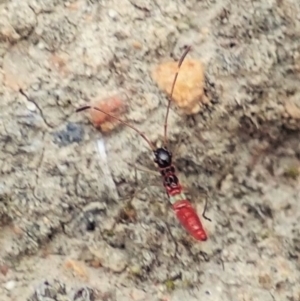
[{"x": 163, "y": 157}]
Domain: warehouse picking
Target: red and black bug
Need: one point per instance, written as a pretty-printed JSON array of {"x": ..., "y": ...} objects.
[{"x": 184, "y": 210}]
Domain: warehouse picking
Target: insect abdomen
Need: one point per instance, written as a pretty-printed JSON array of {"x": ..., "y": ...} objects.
[{"x": 189, "y": 219}]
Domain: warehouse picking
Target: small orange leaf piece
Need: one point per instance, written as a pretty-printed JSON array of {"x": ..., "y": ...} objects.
[
  {"x": 189, "y": 88},
  {"x": 114, "y": 105}
]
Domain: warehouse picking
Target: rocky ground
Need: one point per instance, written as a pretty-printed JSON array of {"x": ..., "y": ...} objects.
[{"x": 74, "y": 223}]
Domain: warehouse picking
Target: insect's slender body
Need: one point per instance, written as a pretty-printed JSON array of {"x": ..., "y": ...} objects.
[{"x": 183, "y": 209}]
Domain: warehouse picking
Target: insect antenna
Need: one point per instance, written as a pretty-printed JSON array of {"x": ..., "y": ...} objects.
[
  {"x": 170, "y": 97},
  {"x": 121, "y": 121}
]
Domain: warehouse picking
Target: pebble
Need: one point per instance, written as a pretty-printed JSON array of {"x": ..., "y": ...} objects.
[
  {"x": 112, "y": 14},
  {"x": 41, "y": 45},
  {"x": 10, "y": 285},
  {"x": 30, "y": 106}
]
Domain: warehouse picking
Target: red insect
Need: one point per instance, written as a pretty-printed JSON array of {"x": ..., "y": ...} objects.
[{"x": 163, "y": 159}]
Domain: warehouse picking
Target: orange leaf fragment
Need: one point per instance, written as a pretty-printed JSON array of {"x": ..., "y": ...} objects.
[
  {"x": 114, "y": 105},
  {"x": 189, "y": 88}
]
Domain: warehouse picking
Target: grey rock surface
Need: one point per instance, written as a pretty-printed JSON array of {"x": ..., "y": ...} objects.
[{"x": 75, "y": 224}]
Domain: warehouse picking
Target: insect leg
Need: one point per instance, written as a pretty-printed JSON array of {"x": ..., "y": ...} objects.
[
  {"x": 142, "y": 168},
  {"x": 174, "y": 240},
  {"x": 204, "y": 211}
]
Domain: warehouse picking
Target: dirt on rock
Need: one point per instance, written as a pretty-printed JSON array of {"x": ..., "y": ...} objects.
[{"x": 78, "y": 221}]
